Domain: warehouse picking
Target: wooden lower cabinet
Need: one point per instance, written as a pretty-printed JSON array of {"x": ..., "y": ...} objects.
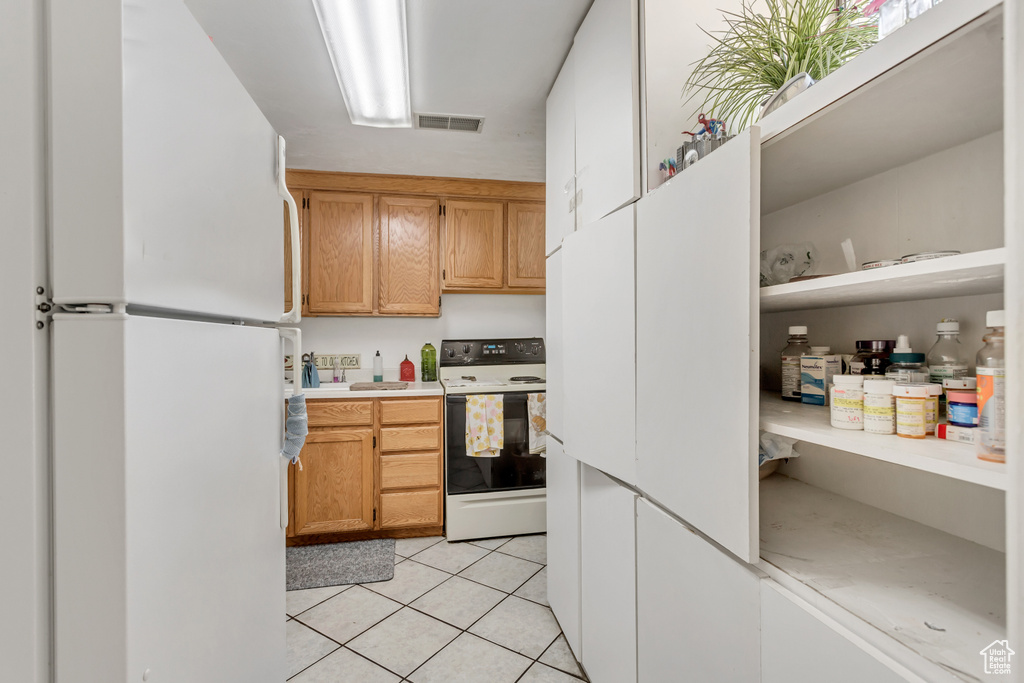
[{"x": 370, "y": 468}]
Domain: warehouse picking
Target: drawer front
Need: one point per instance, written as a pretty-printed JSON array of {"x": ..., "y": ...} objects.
[
  {"x": 410, "y": 411},
  {"x": 426, "y": 438},
  {"x": 326, "y": 413},
  {"x": 410, "y": 471},
  {"x": 415, "y": 508}
]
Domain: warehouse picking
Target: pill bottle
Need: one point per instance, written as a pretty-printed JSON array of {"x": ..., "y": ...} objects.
[
  {"x": 879, "y": 406},
  {"x": 796, "y": 348},
  {"x": 963, "y": 408},
  {"x": 931, "y": 408},
  {"x": 911, "y": 416},
  {"x": 847, "y": 393}
]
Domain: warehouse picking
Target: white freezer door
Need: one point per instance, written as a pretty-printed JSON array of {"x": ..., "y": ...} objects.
[
  {"x": 563, "y": 508},
  {"x": 168, "y": 547},
  {"x": 164, "y": 169}
]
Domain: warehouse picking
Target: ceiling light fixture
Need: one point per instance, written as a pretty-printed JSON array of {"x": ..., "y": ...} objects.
[{"x": 369, "y": 48}]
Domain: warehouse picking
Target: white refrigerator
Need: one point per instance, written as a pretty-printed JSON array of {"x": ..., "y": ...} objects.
[{"x": 166, "y": 256}]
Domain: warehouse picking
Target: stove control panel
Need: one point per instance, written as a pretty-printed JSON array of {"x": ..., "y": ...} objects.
[{"x": 491, "y": 351}]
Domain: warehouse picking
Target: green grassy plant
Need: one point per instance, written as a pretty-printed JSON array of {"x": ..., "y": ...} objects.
[{"x": 758, "y": 53}]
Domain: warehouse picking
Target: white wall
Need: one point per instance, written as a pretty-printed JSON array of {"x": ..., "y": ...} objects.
[
  {"x": 463, "y": 316},
  {"x": 673, "y": 41},
  {"x": 24, "y": 485}
]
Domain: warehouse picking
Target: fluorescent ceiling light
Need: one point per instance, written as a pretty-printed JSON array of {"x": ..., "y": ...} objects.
[{"x": 370, "y": 51}]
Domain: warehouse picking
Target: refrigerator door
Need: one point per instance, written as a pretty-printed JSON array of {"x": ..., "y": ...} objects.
[
  {"x": 163, "y": 168},
  {"x": 168, "y": 547}
]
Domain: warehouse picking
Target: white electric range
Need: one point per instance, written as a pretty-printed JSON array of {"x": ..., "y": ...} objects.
[{"x": 504, "y": 495}]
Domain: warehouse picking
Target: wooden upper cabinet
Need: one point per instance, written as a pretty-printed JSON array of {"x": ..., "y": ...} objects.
[
  {"x": 526, "y": 245},
  {"x": 334, "y": 490},
  {"x": 473, "y": 244},
  {"x": 410, "y": 278},
  {"x": 340, "y": 253}
]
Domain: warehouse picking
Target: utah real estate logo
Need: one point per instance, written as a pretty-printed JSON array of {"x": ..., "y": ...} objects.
[{"x": 997, "y": 657}]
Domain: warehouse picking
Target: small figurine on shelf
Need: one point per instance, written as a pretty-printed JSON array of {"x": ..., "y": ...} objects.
[{"x": 667, "y": 168}]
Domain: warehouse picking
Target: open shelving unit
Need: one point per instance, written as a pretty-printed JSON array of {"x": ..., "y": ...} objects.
[
  {"x": 979, "y": 272},
  {"x": 935, "y": 593},
  {"x": 933, "y": 84},
  {"x": 947, "y": 458}
]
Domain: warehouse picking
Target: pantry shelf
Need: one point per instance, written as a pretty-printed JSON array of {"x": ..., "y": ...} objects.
[
  {"x": 935, "y": 83},
  {"x": 946, "y": 458},
  {"x": 941, "y": 596},
  {"x": 979, "y": 272}
]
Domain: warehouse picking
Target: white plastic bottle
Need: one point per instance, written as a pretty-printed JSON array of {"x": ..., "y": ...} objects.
[{"x": 378, "y": 368}]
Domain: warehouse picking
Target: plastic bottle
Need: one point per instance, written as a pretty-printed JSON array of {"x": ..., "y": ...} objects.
[
  {"x": 946, "y": 359},
  {"x": 847, "y": 402},
  {"x": 796, "y": 348},
  {"x": 879, "y": 406},
  {"x": 907, "y": 366},
  {"x": 991, "y": 365},
  {"x": 337, "y": 369},
  {"x": 406, "y": 370},
  {"x": 428, "y": 363},
  {"x": 378, "y": 368}
]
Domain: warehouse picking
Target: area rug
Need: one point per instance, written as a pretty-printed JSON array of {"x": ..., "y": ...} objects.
[{"x": 339, "y": 564}]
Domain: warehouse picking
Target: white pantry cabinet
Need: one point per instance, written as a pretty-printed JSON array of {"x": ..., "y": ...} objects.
[
  {"x": 560, "y": 156},
  {"x": 697, "y": 252},
  {"x": 698, "y": 610},
  {"x": 599, "y": 345},
  {"x": 563, "y": 510},
  {"x": 555, "y": 347},
  {"x": 606, "y": 83},
  {"x": 608, "y": 578},
  {"x": 799, "y": 644}
]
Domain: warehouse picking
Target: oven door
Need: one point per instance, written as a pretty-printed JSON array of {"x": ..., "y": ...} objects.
[{"x": 515, "y": 468}]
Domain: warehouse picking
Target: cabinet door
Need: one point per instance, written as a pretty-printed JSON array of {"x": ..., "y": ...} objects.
[
  {"x": 799, "y": 645},
  {"x": 340, "y": 253},
  {"x": 599, "y": 359},
  {"x": 554, "y": 347},
  {"x": 410, "y": 278},
  {"x": 525, "y": 245},
  {"x": 607, "y": 87},
  {"x": 334, "y": 488},
  {"x": 473, "y": 244},
  {"x": 697, "y": 306},
  {"x": 697, "y": 607},
  {"x": 563, "y": 512},
  {"x": 608, "y": 578},
  {"x": 560, "y": 158}
]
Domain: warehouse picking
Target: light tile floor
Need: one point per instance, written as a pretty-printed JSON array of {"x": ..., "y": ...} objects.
[{"x": 473, "y": 612}]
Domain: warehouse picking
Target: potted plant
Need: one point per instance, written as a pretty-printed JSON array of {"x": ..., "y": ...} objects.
[{"x": 759, "y": 53}]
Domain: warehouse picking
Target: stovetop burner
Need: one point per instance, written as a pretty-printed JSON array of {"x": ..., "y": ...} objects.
[{"x": 525, "y": 378}]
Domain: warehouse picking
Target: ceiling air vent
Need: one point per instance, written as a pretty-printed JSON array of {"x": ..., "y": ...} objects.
[{"x": 466, "y": 124}]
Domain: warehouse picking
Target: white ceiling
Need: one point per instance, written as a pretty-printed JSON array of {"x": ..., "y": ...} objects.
[{"x": 491, "y": 58}]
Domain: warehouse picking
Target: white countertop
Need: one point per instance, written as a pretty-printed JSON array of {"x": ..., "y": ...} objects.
[{"x": 331, "y": 390}]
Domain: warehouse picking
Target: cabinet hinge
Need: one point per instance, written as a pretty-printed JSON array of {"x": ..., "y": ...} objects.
[
  {"x": 444, "y": 274},
  {"x": 440, "y": 209},
  {"x": 439, "y": 301},
  {"x": 374, "y": 441},
  {"x": 375, "y": 514}
]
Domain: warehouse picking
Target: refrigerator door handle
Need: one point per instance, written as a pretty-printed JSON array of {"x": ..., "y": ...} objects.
[
  {"x": 294, "y": 335},
  {"x": 295, "y": 314}
]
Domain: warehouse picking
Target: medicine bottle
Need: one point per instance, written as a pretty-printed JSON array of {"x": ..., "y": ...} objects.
[
  {"x": 991, "y": 367},
  {"x": 796, "y": 348},
  {"x": 911, "y": 419},
  {"x": 907, "y": 366},
  {"x": 879, "y": 406},
  {"x": 847, "y": 402}
]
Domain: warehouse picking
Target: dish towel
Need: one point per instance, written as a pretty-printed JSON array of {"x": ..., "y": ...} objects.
[
  {"x": 485, "y": 425},
  {"x": 538, "y": 411}
]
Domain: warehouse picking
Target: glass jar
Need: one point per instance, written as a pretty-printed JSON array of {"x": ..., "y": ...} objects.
[
  {"x": 907, "y": 368},
  {"x": 879, "y": 406},
  {"x": 872, "y": 357},
  {"x": 796, "y": 348},
  {"x": 963, "y": 408},
  {"x": 847, "y": 394}
]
